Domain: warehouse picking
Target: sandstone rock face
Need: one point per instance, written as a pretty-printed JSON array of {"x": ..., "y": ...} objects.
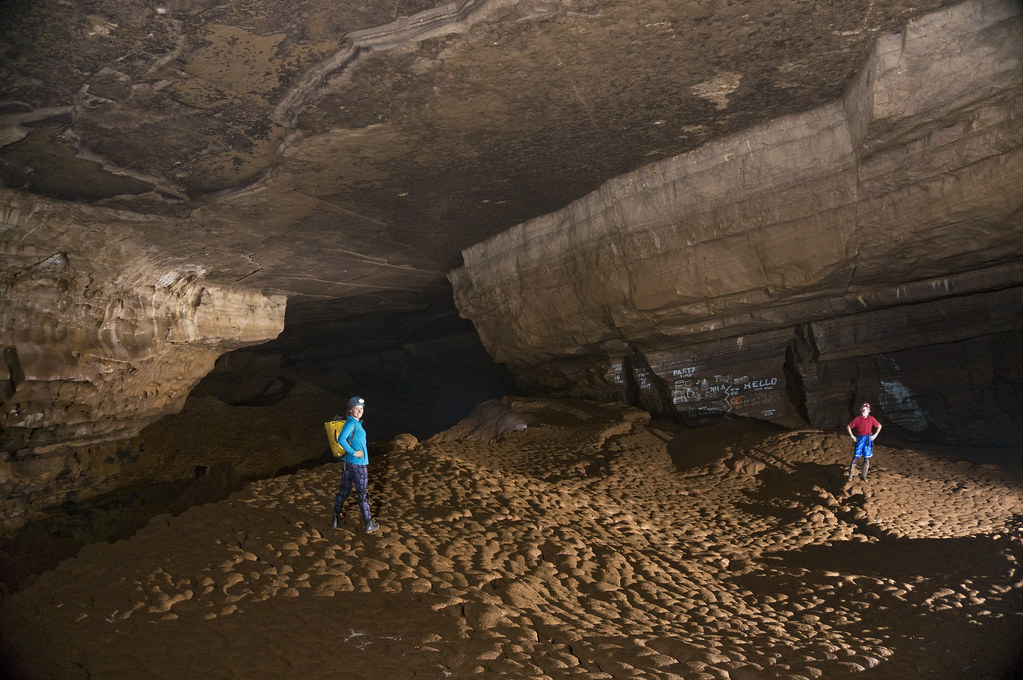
[
  {"x": 869, "y": 249},
  {"x": 100, "y": 337}
]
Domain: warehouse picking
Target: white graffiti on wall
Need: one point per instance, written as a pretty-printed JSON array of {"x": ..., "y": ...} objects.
[
  {"x": 644, "y": 378},
  {"x": 615, "y": 373},
  {"x": 724, "y": 392},
  {"x": 898, "y": 403}
]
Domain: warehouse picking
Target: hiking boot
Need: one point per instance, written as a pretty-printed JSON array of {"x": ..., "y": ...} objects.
[
  {"x": 336, "y": 520},
  {"x": 372, "y": 526}
]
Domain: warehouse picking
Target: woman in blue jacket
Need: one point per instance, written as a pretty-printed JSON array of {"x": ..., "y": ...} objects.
[{"x": 355, "y": 464}]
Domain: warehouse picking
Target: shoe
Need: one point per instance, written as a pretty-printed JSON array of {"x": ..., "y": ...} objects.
[
  {"x": 864, "y": 478},
  {"x": 335, "y": 520},
  {"x": 372, "y": 526}
]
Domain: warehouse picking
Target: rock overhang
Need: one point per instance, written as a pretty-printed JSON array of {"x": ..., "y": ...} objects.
[
  {"x": 403, "y": 132},
  {"x": 812, "y": 261}
]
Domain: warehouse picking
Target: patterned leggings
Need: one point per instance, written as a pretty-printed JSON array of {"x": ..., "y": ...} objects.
[{"x": 359, "y": 476}]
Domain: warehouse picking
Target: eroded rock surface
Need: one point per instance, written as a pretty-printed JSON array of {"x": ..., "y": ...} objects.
[
  {"x": 868, "y": 249},
  {"x": 101, "y": 337}
]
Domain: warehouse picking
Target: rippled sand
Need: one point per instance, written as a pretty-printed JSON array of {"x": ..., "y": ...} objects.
[{"x": 593, "y": 543}]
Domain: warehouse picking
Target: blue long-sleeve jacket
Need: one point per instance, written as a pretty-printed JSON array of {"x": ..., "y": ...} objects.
[{"x": 354, "y": 431}]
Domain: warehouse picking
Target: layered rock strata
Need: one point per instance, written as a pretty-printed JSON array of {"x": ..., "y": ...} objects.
[
  {"x": 867, "y": 249},
  {"x": 100, "y": 337}
]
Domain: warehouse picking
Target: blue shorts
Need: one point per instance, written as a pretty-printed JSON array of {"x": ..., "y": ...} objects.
[{"x": 864, "y": 446}]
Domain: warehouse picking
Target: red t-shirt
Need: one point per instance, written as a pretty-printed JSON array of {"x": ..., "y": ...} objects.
[{"x": 861, "y": 426}]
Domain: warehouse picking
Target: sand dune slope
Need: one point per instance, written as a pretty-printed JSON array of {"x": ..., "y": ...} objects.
[{"x": 592, "y": 543}]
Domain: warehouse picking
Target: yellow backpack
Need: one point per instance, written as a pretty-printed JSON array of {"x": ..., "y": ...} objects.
[{"x": 333, "y": 428}]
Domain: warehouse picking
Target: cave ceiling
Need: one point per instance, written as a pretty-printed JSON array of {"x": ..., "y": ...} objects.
[{"x": 345, "y": 153}]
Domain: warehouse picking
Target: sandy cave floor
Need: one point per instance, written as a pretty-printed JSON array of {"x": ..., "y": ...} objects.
[{"x": 594, "y": 544}]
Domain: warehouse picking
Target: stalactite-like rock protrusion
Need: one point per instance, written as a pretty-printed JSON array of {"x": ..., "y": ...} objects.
[
  {"x": 99, "y": 340},
  {"x": 767, "y": 274}
]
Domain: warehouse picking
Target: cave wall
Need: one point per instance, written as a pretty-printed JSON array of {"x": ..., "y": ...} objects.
[
  {"x": 866, "y": 249},
  {"x": 869, "y": 249},
  {"x": 100, "y": 336}
]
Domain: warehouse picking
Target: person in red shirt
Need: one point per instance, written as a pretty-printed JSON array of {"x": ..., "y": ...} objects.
[{"x": 861, "y": 429}]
